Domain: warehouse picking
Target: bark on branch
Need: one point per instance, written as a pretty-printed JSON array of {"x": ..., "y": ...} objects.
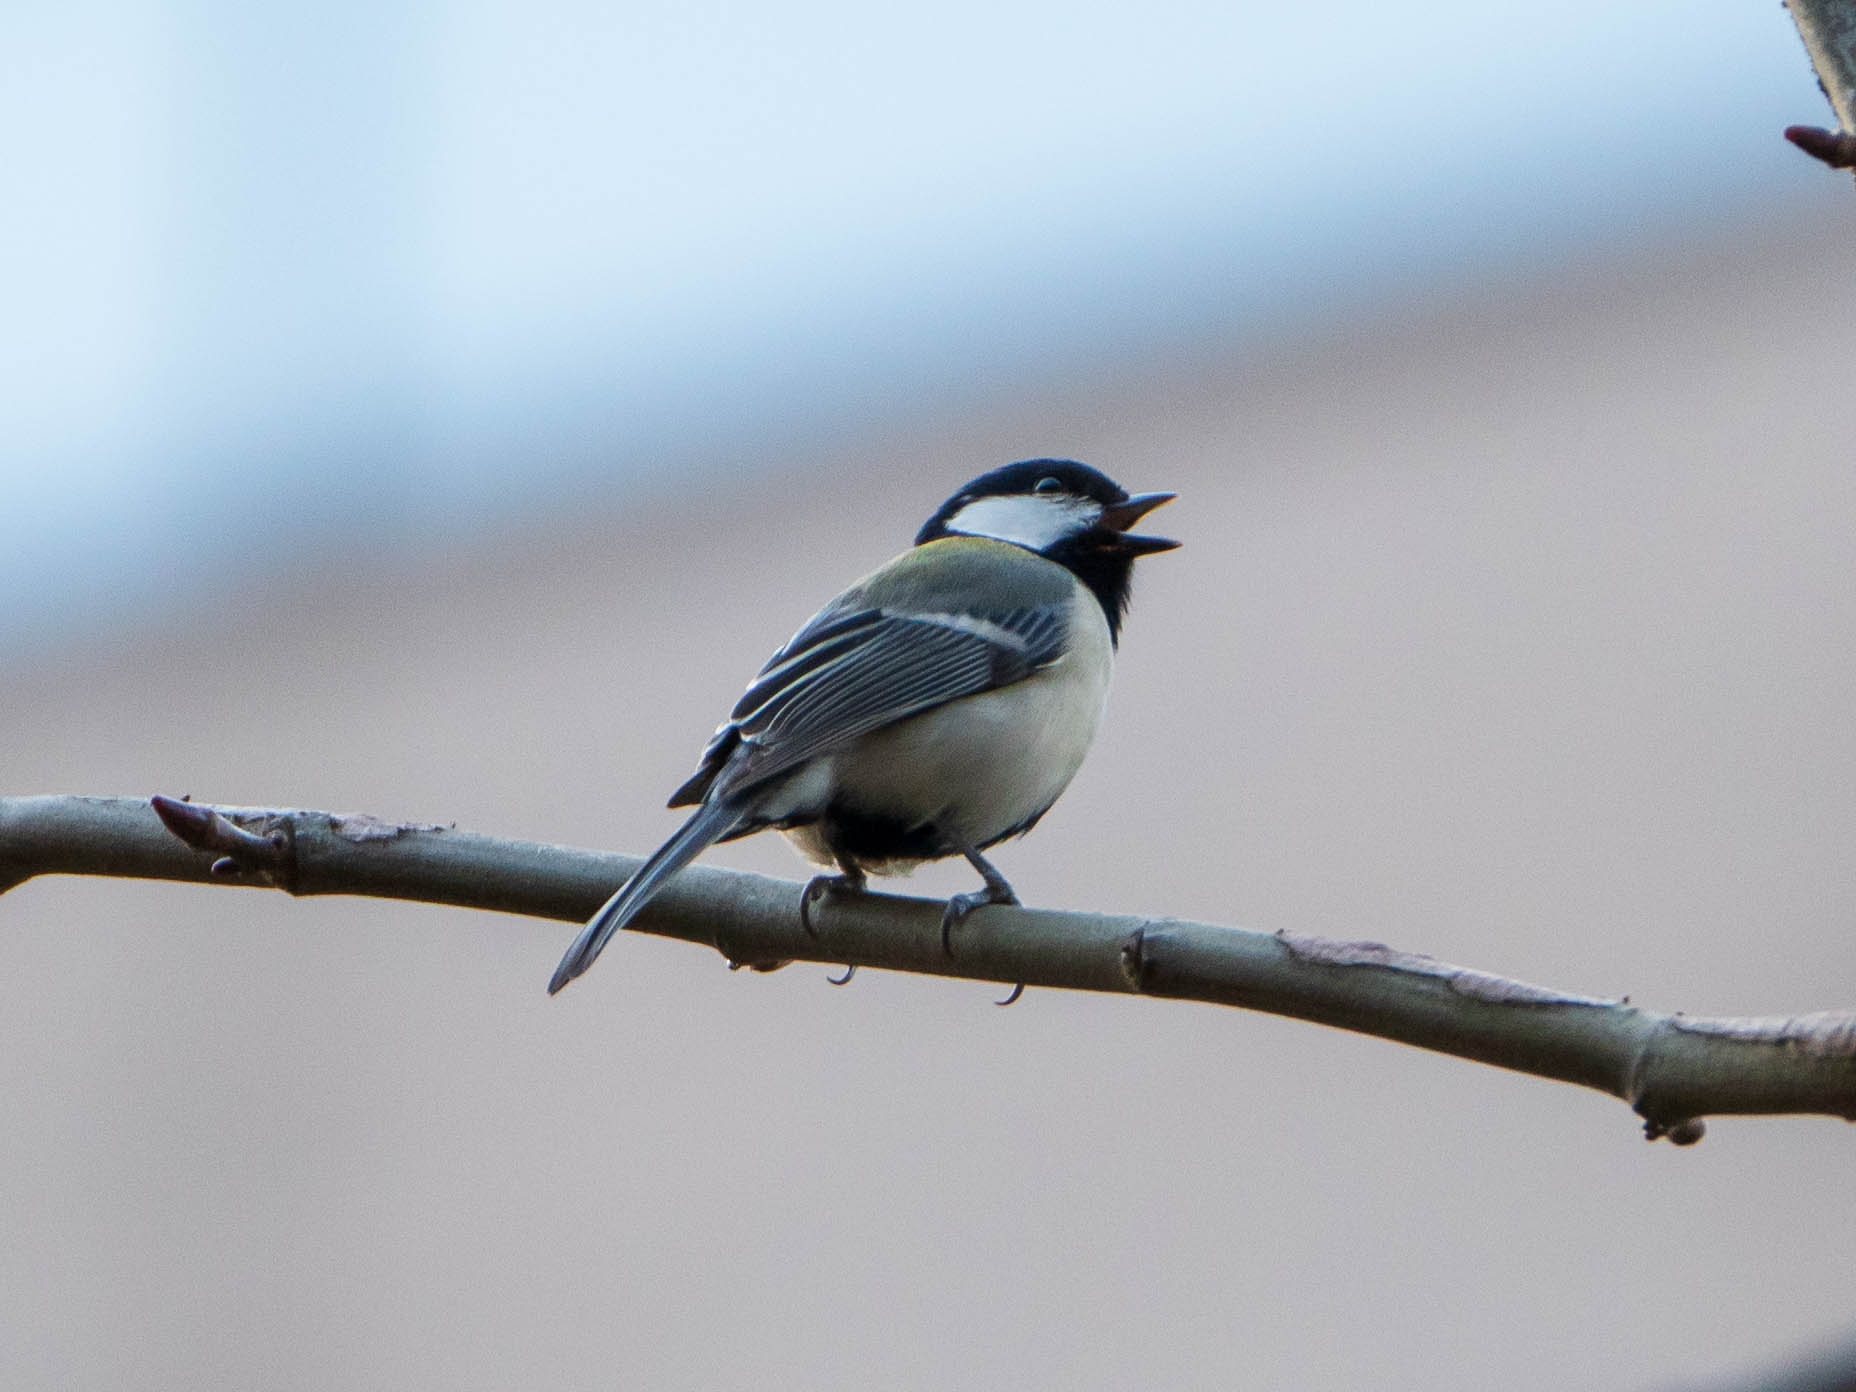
[{"x": 1672, "y": 1069}]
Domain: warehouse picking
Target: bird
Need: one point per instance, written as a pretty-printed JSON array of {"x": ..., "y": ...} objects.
[{"x": 935, "y": 708}]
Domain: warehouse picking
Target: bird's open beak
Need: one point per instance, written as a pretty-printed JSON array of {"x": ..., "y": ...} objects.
[{"x": 1118, "y": 517}]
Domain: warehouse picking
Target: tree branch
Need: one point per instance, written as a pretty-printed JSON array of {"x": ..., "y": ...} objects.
[
  {"x": 1828, "y": 28},
  {"x": 1672, "y": 1069}
]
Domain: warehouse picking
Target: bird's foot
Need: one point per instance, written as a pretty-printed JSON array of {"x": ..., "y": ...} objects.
[
  {"x": 820, "y": 887},
  {"x": 961, "y": 905}
]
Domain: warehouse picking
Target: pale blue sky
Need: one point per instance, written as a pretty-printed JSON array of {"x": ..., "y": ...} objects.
[{"x": 270, "y": 271}]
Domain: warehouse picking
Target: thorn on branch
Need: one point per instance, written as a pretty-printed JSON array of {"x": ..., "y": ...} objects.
[
  {"x": 240, "y": 851},
  {"x": 1835, "y": 148}
]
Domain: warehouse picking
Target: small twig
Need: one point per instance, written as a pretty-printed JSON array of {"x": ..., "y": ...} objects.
[
  {"x": 1835, "y": 148},
  {"x": 241, "y": 852},
  {"x": 1828, "y": 28},
  {"x": 1671, "y": 1069}
]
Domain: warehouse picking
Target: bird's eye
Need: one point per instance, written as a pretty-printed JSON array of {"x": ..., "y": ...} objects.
[{"x": 1048, "y": 485}]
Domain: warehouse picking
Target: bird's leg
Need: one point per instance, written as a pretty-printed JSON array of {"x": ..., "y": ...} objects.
[
  {"x": 850, "y": 882},
  {"x": 997, "y": 891}
]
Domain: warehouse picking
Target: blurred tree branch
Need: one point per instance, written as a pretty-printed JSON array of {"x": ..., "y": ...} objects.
[
  {"x": 1828, "y": 28},
  {"x": 1672, "y": 1069},
  {"x": 1827, "y": 1368}
]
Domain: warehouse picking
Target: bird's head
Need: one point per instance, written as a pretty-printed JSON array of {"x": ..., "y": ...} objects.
[
  {"x": 1066, "y": 512},
  {"x": 1056, "y": 507}
]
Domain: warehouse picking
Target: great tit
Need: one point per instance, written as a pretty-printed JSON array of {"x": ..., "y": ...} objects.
[{"x": 933, "y": 709}]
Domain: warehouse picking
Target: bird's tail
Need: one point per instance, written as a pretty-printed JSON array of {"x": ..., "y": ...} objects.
[{"x": 709, "y": 824}]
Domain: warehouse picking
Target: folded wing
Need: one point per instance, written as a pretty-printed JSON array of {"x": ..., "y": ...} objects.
[{"x": 850, "y": 672}]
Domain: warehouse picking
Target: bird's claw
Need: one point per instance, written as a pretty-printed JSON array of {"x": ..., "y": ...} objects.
[
  {"x": 817, "y": 888},
  {"x": 850, "y": 970},
  {"x": 960, "y": 905},
  {"x": 1017, "y": 991}
]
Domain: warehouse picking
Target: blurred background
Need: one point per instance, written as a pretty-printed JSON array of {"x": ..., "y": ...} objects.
[{"x": 441, "y": 412}]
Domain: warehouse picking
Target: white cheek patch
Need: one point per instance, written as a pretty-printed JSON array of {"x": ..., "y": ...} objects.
[{"x": 1032, "y": 520}]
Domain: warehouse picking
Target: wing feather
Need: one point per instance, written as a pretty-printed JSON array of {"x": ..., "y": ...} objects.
[{"x": 846, "y": 674}]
